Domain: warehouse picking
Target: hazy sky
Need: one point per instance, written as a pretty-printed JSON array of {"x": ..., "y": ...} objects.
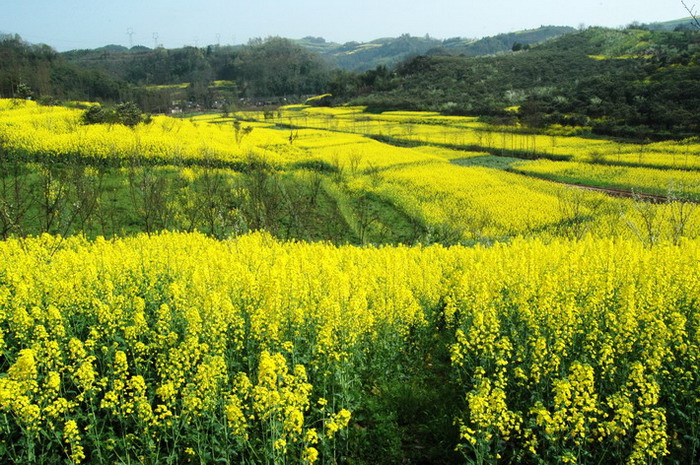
[{"x": 70, "y": 24}]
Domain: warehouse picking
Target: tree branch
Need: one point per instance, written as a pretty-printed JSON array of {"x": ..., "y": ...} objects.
[{"x": 695, "y": 21}]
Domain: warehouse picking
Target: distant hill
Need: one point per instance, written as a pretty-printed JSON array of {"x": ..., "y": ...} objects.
[
  {"x": 504, "y": 42},
  {"x": 362, "y": 56},
  {"x": 112, "y": 48},
  {"x": 674, "y": 25}
]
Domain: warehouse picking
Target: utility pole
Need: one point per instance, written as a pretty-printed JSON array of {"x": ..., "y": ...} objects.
[
  {"x": 155, "y": 40},
  {"x": 130, "y": 33}
]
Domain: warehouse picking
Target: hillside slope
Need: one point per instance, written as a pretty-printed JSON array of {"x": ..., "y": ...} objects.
[{"x": 632, "y": 82}]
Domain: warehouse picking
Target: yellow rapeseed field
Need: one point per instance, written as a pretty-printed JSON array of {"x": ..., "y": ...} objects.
[
  {"x": 246, "y": 349},
  {"x": 430, "y": 128},
  {"x": 563, "y": 326}
]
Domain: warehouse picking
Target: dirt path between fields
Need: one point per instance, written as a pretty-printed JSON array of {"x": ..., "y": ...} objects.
[
  {"x": 614, "y": 192},
  {"x": 506, "y": 166}
]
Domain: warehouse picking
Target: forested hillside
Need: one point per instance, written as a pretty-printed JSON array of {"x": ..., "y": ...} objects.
[
  {"x": 274, "y": 66},
  {"x": 632, "y": 82},
  {"x": 28, "y": 70}
]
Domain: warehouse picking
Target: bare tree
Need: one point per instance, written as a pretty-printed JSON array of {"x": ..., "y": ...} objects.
[
  {"x": 148, "y": 189},
  {"x": 52, "y": 197},
  {"x": 241, "y": 131},
  {"x": 680, "y": 212},
  {"x": 15, "y": 198},
  {"x": 88, "y": 188}
]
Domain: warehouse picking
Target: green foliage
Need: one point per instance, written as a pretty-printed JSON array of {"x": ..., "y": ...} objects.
[
  {"x": 126, "y": 113},
  {"x": 95, "y": 115},
  {"x": 23, "y": 91}
]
